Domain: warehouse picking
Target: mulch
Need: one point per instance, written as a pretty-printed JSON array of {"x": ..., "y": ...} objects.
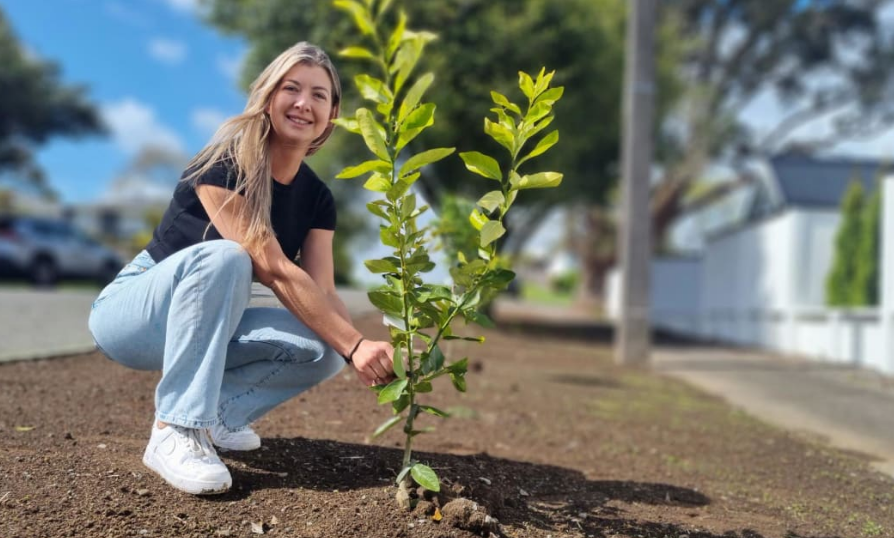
[{"x": 551, "y": 440}]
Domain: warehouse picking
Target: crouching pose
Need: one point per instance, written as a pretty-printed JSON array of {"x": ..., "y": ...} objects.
[{"x": 246, "y": 206}]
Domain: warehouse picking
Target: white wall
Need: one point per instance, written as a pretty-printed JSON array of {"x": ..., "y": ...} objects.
[{"x": 764, "y": 286}]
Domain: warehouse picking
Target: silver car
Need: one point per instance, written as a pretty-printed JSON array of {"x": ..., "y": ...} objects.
[{"x": 45, "y": 250}]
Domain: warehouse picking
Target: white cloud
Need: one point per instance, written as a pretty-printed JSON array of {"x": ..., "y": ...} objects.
[
  {"x": 207, "y": 120},
  {"x": 231, "y": 66},
  {"x": 167, "y": 50},
  {"x": 134, "y": 126}
]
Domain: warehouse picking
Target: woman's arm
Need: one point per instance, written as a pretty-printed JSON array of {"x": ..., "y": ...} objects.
[
  {"x": 317, "y": 261},
  {"x": 296, "y": 289}
]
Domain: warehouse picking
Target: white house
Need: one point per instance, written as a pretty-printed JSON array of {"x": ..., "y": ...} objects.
[{"x": 759, "y": 279}]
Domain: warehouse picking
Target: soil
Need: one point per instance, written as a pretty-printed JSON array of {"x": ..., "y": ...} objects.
[{"x": 551, "y": 440}]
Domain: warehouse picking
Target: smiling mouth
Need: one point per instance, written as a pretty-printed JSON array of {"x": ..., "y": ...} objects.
[{"x": 298, "y": 121}]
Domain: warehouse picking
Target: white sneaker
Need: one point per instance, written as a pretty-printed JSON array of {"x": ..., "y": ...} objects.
[
  {"x": 185, "y": 458},
  {"x": 244, "y": 439}
]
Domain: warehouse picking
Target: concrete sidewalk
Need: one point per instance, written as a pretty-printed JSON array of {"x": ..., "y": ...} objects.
[
  {"x": 847, "y": 407},
  {"x": 850, "y": 408}
]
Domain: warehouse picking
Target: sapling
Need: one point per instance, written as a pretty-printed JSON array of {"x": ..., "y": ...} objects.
[{"x": 419, "y": 314}]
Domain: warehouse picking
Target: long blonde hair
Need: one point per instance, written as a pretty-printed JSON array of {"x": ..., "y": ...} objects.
[{"x": 244, "y": 139}]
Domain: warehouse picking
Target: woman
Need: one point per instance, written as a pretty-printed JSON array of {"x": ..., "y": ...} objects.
[{"x": 247, "y": 205}]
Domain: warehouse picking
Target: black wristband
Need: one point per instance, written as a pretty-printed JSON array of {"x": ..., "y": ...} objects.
[{"x": 349, "y": 358}]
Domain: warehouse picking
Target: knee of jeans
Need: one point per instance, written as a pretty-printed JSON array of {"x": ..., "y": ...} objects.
[{"x": 232, "y": 257}]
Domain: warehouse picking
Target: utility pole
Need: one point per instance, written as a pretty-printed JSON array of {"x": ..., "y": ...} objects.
[{"x": 633, "y": 340}]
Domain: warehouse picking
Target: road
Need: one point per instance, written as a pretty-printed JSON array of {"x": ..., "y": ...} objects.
[{"x": 39, "y": 324}]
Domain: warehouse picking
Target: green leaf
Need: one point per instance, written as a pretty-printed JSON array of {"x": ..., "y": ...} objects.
[
  {"x": 545, "y": 143},
  {"x": 478, "y": 220},
  {"x": 537, "y": 112},
  {"x": 479, "y": 339},
  {"x": 373, "y": 89},
  {"x": 356, "y": 52},
  {"x": 491, "y": 231},
  {"x": 387, "y": 425},
  {"x": 349, "y": 124},
  {"x": 400, "y": 187},
  {"x": 421, "y": 117},
  {"x": 501, "y": 100},
  {"x": 499, "y": 278},
  {"x": 492, "y": 201},
  {"x": 385, "y": 265},
  {"x": 434, "y": 411},
  {"x": 377, "y": 183},
  {"x": 386, "y": 302},
  {"x": 373, "y": 134},
  {"x": 551, "y": 96},
  {"x": 425, "y": 477},
  {"x": 397, "y": 36},
  {"x": 543, "y": 180},
  {"x": 382, "y": 167},
  {"x": 397, "y": 361},
  {"x": 422, "y": 387},
  {"x": 479, "y": 318},
  {"x": 416, "y": 122},
  {"x": 459, "y": 367},
  {"x": 389, "y": 238},
  {"x": 501, "y": 134},
  {"x": 531, "y": 130},
  {"x": 482, "y": 164},
  {"x": 383, "y": 7},
  {"x": 400, "y": 404},
  {"x": 459, "y": 382},
  {"x": 377, "y": 210},
  {"x": 542, "y": 82},
  {"x": 414, "y": 95},
  {"x": 433, "y": 361},
  {"x": 393, "y": 391},
  {"x": 526, "y": 84},
  {"x": 421, "y": 159},
  {"x": 360, "y": 14}
]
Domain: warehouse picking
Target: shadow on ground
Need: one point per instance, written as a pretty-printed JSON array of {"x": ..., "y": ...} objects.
[{"x": 523, "y": 494}]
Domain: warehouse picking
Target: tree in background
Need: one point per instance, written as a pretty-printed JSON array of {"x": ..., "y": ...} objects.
[
  {"x": 842, "y": 276},
  {"x": 865, "y": 290},
  {"x": 35, "y": 106},
  {"x": 824, "y": 59},
  {"x": 481, "y": 46}
]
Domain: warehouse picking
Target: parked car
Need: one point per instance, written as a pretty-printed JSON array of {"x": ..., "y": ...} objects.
[{"x": 45, "y": 250}]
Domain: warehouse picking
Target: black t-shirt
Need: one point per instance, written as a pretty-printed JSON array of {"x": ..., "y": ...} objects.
[{"x": 298, "y": 207}]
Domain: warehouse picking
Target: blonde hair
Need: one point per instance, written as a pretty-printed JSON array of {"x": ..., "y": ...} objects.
[{"x": 244, "y": 139}]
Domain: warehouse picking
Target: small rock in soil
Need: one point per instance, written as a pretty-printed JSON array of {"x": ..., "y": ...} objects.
[
  {"x": 424, "y": 507},
  {"x": 465, "y": 514}
]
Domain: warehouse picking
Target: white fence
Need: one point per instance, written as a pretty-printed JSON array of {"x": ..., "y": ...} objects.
[{"x": 764, "y": 286}]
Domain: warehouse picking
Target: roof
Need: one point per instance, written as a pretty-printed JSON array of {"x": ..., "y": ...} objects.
[{"x": 820, "y": 183}]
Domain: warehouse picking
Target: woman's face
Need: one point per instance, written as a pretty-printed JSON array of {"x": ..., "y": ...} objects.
[{"x": 301, "y": 106}]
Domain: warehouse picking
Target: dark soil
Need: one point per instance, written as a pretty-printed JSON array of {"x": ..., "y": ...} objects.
[{"x": 551, "y": 440}]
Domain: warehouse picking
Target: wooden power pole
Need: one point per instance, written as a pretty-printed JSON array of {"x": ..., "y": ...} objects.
[{"x": 633, "y": 339}]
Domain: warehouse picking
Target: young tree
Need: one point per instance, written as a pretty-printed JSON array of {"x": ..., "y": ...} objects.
[
  {"x": 34, "y": 107},
  {"x": 866, "y": 280},
  {"x": 840, "y": 282}
]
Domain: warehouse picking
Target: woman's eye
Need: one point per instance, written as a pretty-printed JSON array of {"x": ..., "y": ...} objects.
[{"x": 290, "y": 88}]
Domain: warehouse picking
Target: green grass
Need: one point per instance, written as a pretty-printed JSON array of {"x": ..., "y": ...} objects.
[{"x": 536, "y": 293}]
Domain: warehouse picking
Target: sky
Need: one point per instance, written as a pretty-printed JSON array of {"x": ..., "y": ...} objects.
[{"x": 155, "y": 71}]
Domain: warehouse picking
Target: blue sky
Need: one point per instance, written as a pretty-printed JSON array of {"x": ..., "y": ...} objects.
[{"x": 157, "y": 73}]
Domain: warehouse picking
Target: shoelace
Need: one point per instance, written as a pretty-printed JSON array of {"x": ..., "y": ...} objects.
[{"x": 199, "y": 444}]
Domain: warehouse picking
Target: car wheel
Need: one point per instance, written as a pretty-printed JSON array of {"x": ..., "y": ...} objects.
[{"x": 44, "y": 273}]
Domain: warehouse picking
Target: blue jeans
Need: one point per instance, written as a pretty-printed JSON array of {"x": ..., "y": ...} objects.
[{"x": 221, "y": 361}]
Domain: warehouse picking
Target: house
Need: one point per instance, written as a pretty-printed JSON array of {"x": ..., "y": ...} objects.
[{"x": 759, "y": 277}]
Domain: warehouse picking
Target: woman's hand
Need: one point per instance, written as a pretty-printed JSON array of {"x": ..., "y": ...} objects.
[{"x": 373, "y": 362}]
